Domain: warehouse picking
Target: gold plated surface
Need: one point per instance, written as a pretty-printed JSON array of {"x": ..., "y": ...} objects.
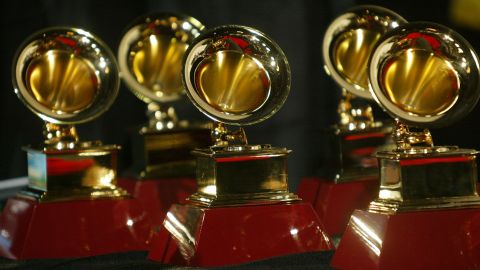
[
  {"x": 425, "y": 74},
  {"x": 68, "y": 76},
  {"x": 150, "y": 55},
  {"x": 65, "y": 75},
  {"x": 227, "y": 178},
  {"x": 156, "y": 62},
  {"x": 445, "y": 177},
  {"x": 421, "y": 82},
  {"x": 236, "y": 75},
  {"x": 62, "y": 81},
  {"x": 349, "y": 41},
  {"x": 351, "y": 53},
  {"x": 59, "y": 175},
  {"x": 232, "y": 82}
]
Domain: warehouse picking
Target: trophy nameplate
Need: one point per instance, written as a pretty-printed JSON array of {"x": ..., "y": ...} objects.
[
  {"x": 72, "y": 206},
  {"x": 150, "y": 60},
  {"x": 243, "y": 210},
  {"x": 349, "y": 179},
  {"x": 427, "y": 212}
]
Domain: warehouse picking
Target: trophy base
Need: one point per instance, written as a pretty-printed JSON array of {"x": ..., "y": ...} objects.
[
  {"x": 205, "y": 237},
  {"x": 335, "y": 202},
  {"x": 157, "y": 195},
  {"x": 39, "y": 230},
  {"x": 438, "y": 239}
]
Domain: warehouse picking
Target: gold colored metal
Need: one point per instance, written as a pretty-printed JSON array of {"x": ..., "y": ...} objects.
[
  {"x": 68, "y": 76},
  {"x": 247, "y": 176},
  {"x": 60, "y": 136},
  {"x": 351, "y": 53},
  {"x": 232, "y": 82},
  {"x": 156, "y": 63},
  {"x": 420, "y": 82},
  {"x": 167, "y": 154},
  {"x": 223, "y": 137},
  {"x": 62, "y": 81},
  {"x": 65, "y": 75},
  {"x": 352, "y": 152},
  {"x": 150, "y": 59},
  {"x": 425, "y": 75},
  {"x": 237, "y": 75},
  {"x": 443, "y": 178},
  {"x": 61, "y": 175},
  {"x": 355, "y": 118},
  {"x": 347, "y": 45},
  {"x": 349, "y": 41},
  {"x": 150, "y": 55},
  {"x": 406, "y": 140}
]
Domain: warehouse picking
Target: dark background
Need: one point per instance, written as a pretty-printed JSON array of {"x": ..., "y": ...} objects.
[{"x": 296, "y": 25}]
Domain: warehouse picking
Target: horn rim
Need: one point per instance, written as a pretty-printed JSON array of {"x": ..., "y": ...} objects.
[
  {"x": 468, "y": 95},
  {"x": 103, "y": 99},
  {"x": 281, "y": 81}
]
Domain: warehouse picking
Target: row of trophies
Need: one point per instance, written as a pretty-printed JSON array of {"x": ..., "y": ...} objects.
[{"x": 417, "y": 209}]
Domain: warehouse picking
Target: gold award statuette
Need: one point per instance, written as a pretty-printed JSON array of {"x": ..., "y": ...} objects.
[
  {"x": 236, "y": 75},
  {"x": 424, "y": 75},
  {"x": 150, "y": 60},
  {"x": 68, "y": 76},
  {"x": 347, "y": 45},
  {"x": 239, "y": 81},
  {"x": 72, "y": 202}
]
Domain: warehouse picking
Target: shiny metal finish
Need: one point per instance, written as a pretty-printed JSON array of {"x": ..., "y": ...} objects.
[
  {"x": 349, "y": 41},
  {"x": 150, "y": 55},
  {"x": 224, "y": 71},
  {"x": 425, "y": 74},
  {"x": 248, "y": 175},
  {"x": 68, "y": 76},
  {"x": 65, "y": 75},
  {"x": 236, "y": 75}
]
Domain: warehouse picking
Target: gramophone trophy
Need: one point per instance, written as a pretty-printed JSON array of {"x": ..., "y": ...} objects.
[
  {"x": 72, "y": 206},
  {"x": 242, "y": 210},
  {"x": 427, "y": 214},
  {"x": 150, "y": 60},
  {"x": 350, "y": 178}
]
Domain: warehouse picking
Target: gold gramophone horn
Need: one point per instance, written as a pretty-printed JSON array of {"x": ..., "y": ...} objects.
[
  {"x": 150, "y": 55},
  {"x": 236, "y": 75},
  {"x": 65, "y": 75},
  {"x": 425, "y": 74},
  {"x": 348, "y": 42}
]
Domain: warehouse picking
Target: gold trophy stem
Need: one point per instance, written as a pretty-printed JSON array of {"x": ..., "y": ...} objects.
[
  {"x": 354, "y": 117},
  {"x": 60, "y": 136},
  {"x": 161, "y": 118}
]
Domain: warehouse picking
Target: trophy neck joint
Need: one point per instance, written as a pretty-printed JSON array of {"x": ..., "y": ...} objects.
[
  {"x": 222, "y": 137},
  {"x": 162, "y": 118},
  {"x": 411, "y": 141},
  {"x": 354, "y": 117},
  {"x": 60, "y": 137}
]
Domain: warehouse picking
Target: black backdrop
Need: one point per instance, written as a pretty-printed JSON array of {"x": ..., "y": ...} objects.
[{"x": 296, "y": 25}]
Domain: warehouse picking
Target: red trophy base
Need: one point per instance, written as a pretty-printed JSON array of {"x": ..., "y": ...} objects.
[
  {"x": 205, "y": 237},
  {"x": 157, "y": 195},
  {"x": 33, "y": 230},
  {"x": 335, "y": 202},
  {"x": 440, "y": 239}
]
